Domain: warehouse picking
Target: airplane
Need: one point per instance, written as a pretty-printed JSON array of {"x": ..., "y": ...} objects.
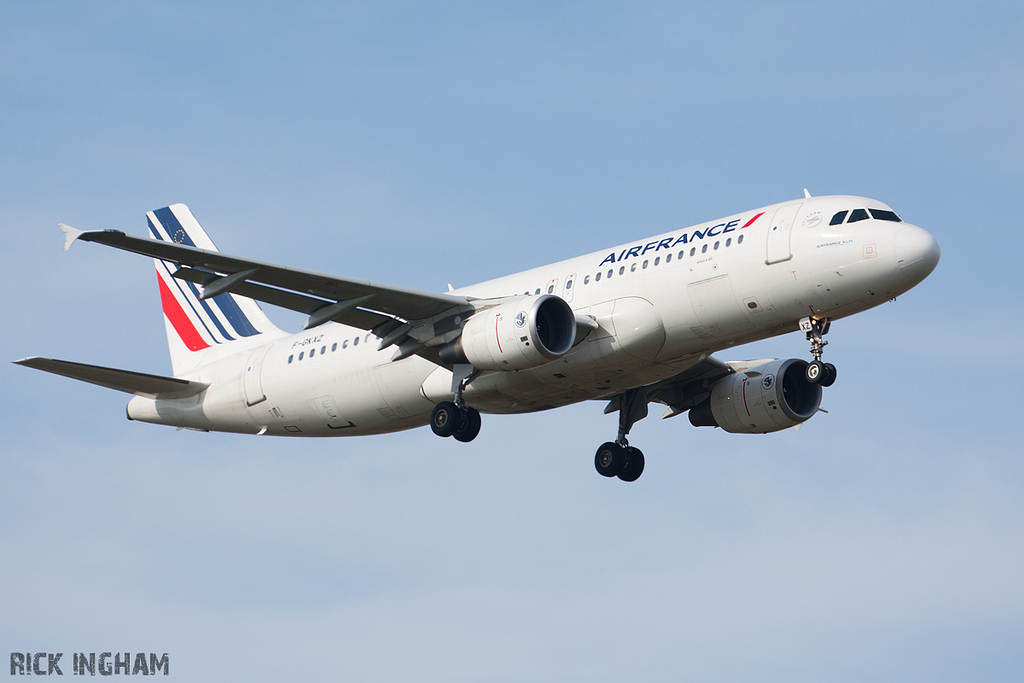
[{"x": 631, "y": 325}]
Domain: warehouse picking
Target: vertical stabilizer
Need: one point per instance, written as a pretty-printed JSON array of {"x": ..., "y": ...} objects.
[{"x": 194, "y": 326}]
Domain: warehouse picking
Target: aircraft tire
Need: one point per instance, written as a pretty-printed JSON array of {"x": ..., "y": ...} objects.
[
  {"x": 634, "y": 465},
  {"x": 829, "y": 376},
  {"x": 814, "y": 372},
  {"x": 610, "y": 459},
  {"x": 444, "y": 419},
  {"x": 469, "y": 425}
]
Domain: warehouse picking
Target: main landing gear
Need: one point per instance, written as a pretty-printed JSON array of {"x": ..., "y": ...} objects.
[
  {"x": 448, "y": 420},
  {"x": 455, "y": 418},
  {"x": 818, "y": 372},
  {"x": 617, "y": 458}
]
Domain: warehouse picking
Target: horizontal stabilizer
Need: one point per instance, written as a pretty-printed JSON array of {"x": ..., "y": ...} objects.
[{"x": 138, "y": 383}]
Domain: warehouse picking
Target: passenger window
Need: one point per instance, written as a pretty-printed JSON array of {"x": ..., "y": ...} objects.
[
  {"x": 681, "y": 254},
  {"x": 716, "y": 245},
  {"x": 645, "y": 264},
  {"x": 882, "y": 215},
  {"x": 334, "y": 347},
  {"x": 704, "y": 249},
  {"x": 668, "y": 259},
  {"x": 728, "y": 242},
  {"x": 290, "y": 358},
  {"x": 739, "y": 240},
  {"x": 301, "y": 354},
  {"x": 597, "y": 278},
  {"x": 611, "y": 271},
  {"x": 657, "y": 260},
  {"x": 838, "y": 218},
  {"x": 568, "y": 284},
  {"x": 551, "y": 289},
  {"x": 344, "y": 343},
  {"x": 312, "y": 352},
  {"x": 858, "y": 215},
  {"x": 538, "y": 291},
  {"x": 622, "y": 270},
  {"x": 632, "y": 268},
  {"x": 586, "y": 280},
  {"x": 355, "y": 342},
  {"x": 693, "y": 250}
]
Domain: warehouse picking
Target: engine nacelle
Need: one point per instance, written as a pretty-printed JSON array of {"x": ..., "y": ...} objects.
[
  {"x": 768, "y": 398},
  {"x": 524, "y": 333}
]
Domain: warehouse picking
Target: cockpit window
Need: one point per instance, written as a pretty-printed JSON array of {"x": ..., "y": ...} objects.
[
  {"x": 882, "y": 215},
  {"x": 838, "y": 218},
  {"x": 858, "y": 215}
]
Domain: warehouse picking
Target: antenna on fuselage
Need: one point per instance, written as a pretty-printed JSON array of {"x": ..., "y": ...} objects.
[{"x": 807, "y": 195}]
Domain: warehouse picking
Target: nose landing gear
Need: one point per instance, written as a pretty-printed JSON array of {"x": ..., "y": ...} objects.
[{"x": 818, "y": 372}]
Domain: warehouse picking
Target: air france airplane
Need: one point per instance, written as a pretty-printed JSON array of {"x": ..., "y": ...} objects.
[{"x": 629, "y": 325}]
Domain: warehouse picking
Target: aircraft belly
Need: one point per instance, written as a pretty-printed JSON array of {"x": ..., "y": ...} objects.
[
  {"x": 716, "y": 308},
  {"x": 639, "y": 331},
  {"x": 220, "y": 407},
  {"x": 593, "y": 369},
  {"x": 326, "y": 396},
  {"x": 398, "y": 385}
]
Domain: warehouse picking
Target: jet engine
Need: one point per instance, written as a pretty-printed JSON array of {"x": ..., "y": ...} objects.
[
  {"x": 519, "y": 334},
  {"x": 767, "y": 398}
]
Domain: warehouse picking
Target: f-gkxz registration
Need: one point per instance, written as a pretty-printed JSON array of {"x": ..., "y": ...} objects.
[{"x": 632, "y": 324}]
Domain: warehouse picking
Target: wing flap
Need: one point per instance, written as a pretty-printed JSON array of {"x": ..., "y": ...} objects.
[{"x": 138, "y": 383}]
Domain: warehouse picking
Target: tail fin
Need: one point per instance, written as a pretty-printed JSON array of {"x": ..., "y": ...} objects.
[{"x": 195, "y": 326}]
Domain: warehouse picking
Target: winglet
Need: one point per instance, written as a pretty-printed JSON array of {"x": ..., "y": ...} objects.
[
  {"x": 807, "y": 195},
  {"x": 70, "y": 235}
]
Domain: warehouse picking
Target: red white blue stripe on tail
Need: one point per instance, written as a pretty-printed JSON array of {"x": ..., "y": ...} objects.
[{"x": 194, "y": 325}]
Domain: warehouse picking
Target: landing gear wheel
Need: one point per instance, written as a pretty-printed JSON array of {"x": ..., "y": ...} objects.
[
  {"x": 610, "y": 459},
  {"x": 828, "y": 377},
  {"x": 469, "y": 425},
  {"x": 814, "y": 372},
  {"x": 444, "y": 420},
  {"x": 634, "y": 465}
]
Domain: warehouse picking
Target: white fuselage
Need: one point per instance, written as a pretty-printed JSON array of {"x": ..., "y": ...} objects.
[{"x": 661, "y": 305}]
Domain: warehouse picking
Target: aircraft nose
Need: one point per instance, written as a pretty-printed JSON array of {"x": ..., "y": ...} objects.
[{"x": 917, "y": 252}]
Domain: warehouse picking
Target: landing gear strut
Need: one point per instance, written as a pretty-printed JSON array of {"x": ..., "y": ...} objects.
[
  {"x": 455, "y": 418},
  {"x": 617, "y": 458},
  {"x": 818, "y": 372}
]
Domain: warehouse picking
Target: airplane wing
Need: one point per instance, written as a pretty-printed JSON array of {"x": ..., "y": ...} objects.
[
  {"x": 692, "y": 386},
  {"x": 138, "y": 383},
  {"x": 367, "y": 305},
  {"x": 685, "y": 390}
]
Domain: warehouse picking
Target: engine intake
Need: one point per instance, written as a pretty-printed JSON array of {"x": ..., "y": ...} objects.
[
  {"x": 516, "y": 335},
  {"x": 768, "y": 398}
]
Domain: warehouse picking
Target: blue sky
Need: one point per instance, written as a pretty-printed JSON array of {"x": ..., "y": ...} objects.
[{"x": 428, "y": 143}]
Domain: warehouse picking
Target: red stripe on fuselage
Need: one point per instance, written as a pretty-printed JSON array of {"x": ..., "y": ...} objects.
[
  {"x": 179, "y": 320},
  {"x": 751, "y": 221}
]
